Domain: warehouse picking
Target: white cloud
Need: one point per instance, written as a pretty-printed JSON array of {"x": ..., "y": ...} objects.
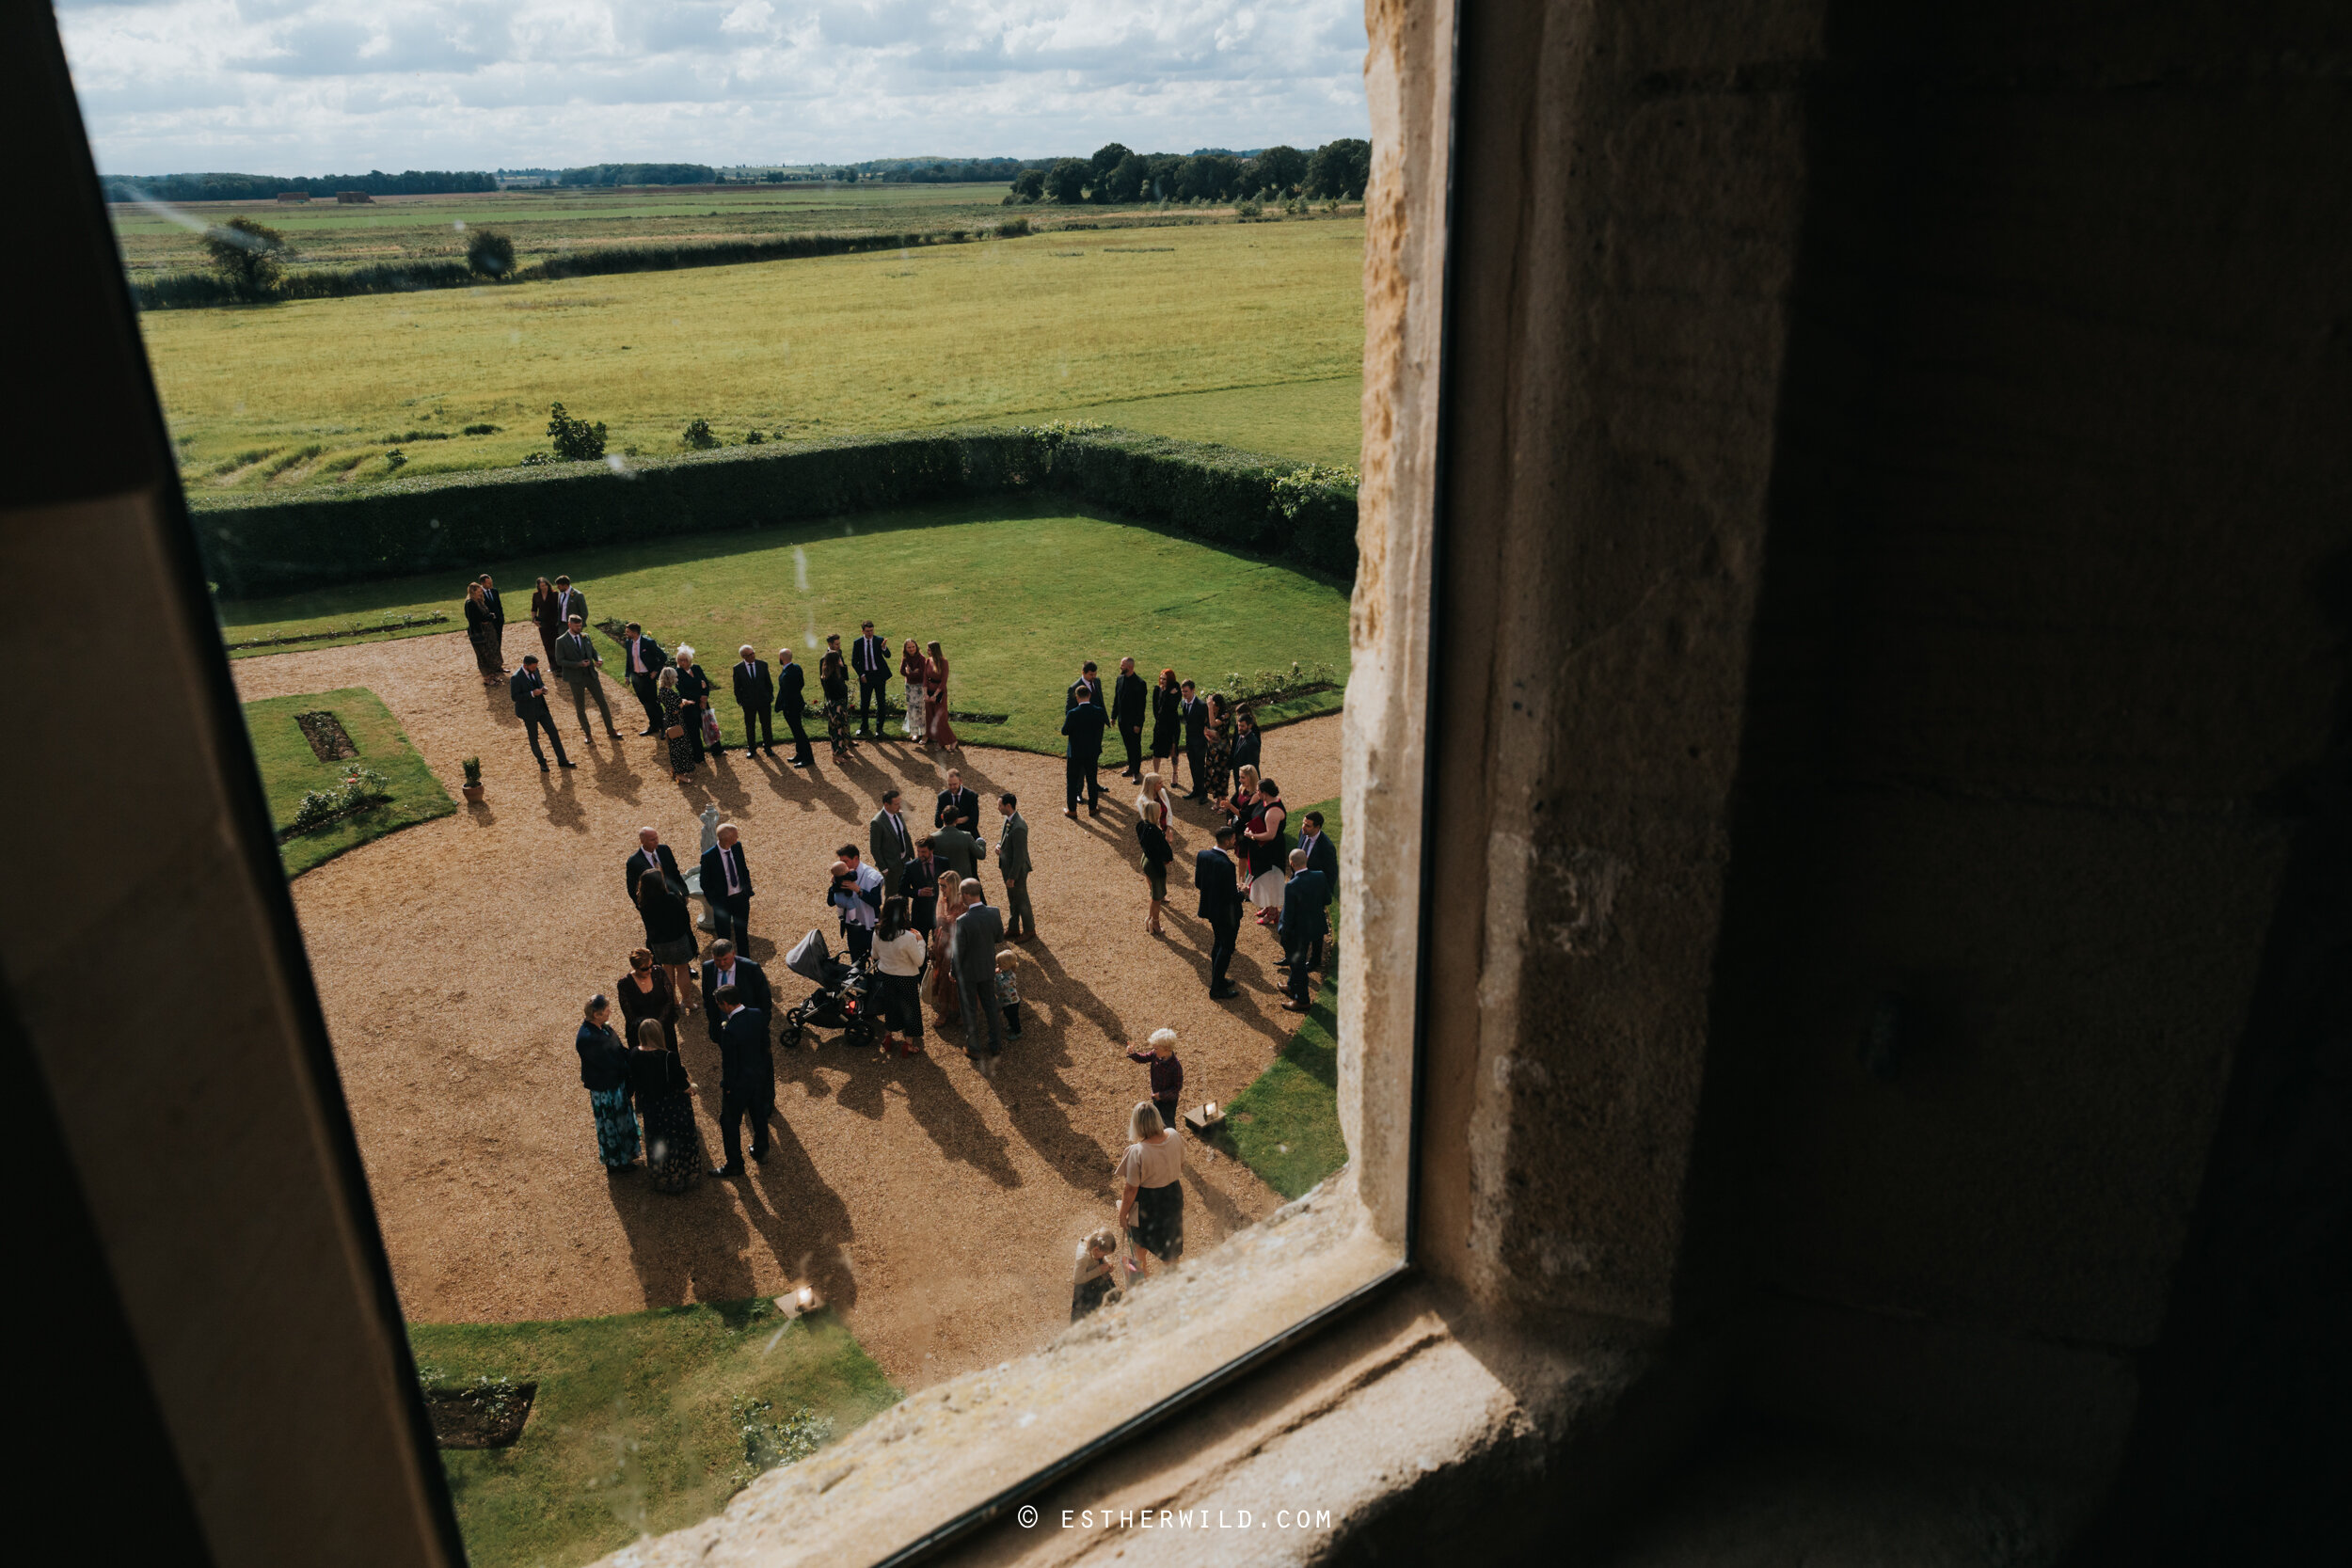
[{"x": 316, "y": 87}]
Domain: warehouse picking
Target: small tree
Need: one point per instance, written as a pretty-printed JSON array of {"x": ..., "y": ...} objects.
[
  {"x": 1029, "y": 182},
  {"x": 248, "y": 255},
  {"x": 576, "y": 440},
  {"x": 490, "y": 254},
  {"x": 1066, "y": 182},
  {"x": 697, "y": 437}
]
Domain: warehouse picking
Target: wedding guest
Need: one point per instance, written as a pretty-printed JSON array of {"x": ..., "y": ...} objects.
[
  {"x": 497, "y": 602},
  {"x": 1151, "y": 833},
  {"x": 645, "y": 992},
  {"x": 832, "y": 679},
  {"x": 481, "y": 636},
  {"x": 1151, "y": 1197},
  {"x": 946, "y": 998},
  {"x": 1012, "y": 864},
  {"x": 1009, "y": 992},
  {"x": 545, "y": 616},
  {"x": 528, "y": 690},
  {"x": 792, "y": 703},
  {"x": 936, "y": 730},
  {"x": 1194, "y": 709},
  {"x": 1167, "y": 722},
  {"x": 920, "y": 881},
  {"x": 1218, "y": 751},
  {"x": 755, "y": 694},
  {"x": 857, "y": 895},
  {"x": 640, "y": 665},
  {"x": 1130, "y": 703},
  {"x": 1167, "y": 1074},
  {"x": 678, "y": 725},
  {"x": 604, "y": 1073},
  {"x": 899, "y": 955},
  {"x": 693, "y": 691},
  {"x": 869, "y": 658},
  {"x": 1248, "y": 744},
  {"x": 1095, "y": 1274},
  {"x": 658, "y": 1081},
  {"x": 912, "y": 671},
  {"x": 1269, "y": 853},
  {"x": 669, "y": 922}
]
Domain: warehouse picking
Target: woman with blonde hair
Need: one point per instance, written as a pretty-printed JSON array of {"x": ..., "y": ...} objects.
[
  {"x": 935, "y": 726},
  {"x": 911, "y": 671},
  {"x": 1154, "y": 832},
  {"x": 1151, "y": 1197},
  {"x": 946, "y": 998},
  {"x": 482, "y": 634},
  {"x": 674, "y": 725}
]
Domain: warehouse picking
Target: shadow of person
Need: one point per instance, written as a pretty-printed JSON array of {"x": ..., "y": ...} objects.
[
  {"x": 612, "y": 775},
  {"x": 1035, "y": 1094},
  {"x": 684, "y": 1247},
  {"x": 803, "y": 1222},
  {"x": 1229, "y": 1215},
  {"x": 1064, "y": 988},
  {"x": 563, "y": 806},
  {"x": 944, "y": 1115}
]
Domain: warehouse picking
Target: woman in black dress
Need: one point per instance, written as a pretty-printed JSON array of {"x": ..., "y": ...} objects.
[
  {"x": 658, "y": 1079},
  {"x": 604, "y": 1073},
  {"x": 482, "y": 633},
  {"x": 693, "y": 696},
  {"x": 645, "y": 993},
  {"x": 832, "y": 679},
  {"x": 669, "y": 933},
  {"x": 675, "y": 726},
  {"x": 1167, "y": 721}
]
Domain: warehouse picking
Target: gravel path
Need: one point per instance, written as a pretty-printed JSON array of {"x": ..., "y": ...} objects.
[{"x": 936, "y": 1209}]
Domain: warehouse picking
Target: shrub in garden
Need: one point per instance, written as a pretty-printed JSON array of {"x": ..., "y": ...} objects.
[
  {"x": 361, "y": 786},
  {"x": 394, "y": 458},
  {"x": 576, "y": 440},
  {"x": 755, "y": 436},
  {"x": 1013, "y": 228}
]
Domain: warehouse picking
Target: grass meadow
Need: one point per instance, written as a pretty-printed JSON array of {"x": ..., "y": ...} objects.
[
  {"x": 288, "y": 768},
  {"x": 1251, "y": 333},
  {"x": 973, "y": 575},
  {"x": 633, "y": 1429}
]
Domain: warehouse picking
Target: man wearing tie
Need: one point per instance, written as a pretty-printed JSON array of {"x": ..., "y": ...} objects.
[
  {"x": 1196, "y": 715},
  {"x": 1324, "y": 855},
  {"x": 747, "y": 1078},
  {"x": 530, "y": 691},
  {"x": 577, "y": 661},
  {"x": 652, "y": 854},
  {"x": 978, "y": 929},
  {"x": 1218, "y": 879},
  {"x": 727, "y": 884},
  {"x": 755, "y": 694},
  {"x": 869, "y": 655},
  {"x": 964, "y": 802},
  {"x": 791, "y": 680},
  {"x": 1128, "y": 701},
  {"x": 1082, "y": 753},
  {"x": 728, "y": 967},
  {"x": 496, "y": 607},
  {"x": 569, "y": 602},
  {"x": 1087, "y": 687},
  {"x": 1012, "y": 864},
  {"x": 1304, "y": 898},
  {"x": 891, "y": 844},
  {"x": 645, "y": 659}
]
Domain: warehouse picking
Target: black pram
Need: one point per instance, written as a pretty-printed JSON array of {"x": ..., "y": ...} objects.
[{"x": 841, "y": 1000}]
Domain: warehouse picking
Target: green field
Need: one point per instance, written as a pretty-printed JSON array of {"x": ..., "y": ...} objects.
[
  {"x": 972, "y": 575},
  {"x": 288, "y": 768},
  {"x": 633, "y": 1428},
  {"x": 544, "y": 223},
  {"x": 1285, "y": 1125},
  {"x": 1249, "y": 333}
]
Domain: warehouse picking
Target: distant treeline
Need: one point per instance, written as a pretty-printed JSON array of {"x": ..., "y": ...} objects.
[
  {"x": 265, "y": 187},
  {"x": 640, "y": 174},
  {"x": 1337, "y": 170}
]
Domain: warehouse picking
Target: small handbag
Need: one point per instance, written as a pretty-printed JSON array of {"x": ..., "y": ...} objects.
[
  {"x": 710, "y": 728},
  {"x": 676, "y": 732}
]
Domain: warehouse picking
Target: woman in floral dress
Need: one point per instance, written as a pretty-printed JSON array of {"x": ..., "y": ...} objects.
[
  {"x": 911, "y": 672},
  {"x": 946, "y": 1000},
  {"x": 1220, "y": 747},
  {"x": 832, "y": 679},
  {"x": 675, "y": 720},
  {"x": 674, "y": 1151}
]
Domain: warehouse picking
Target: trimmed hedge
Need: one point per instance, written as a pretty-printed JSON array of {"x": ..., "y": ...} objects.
[{"x": 305, "y": 540}]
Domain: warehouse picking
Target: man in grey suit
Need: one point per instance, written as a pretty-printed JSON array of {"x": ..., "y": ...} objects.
[
  {"x": 889, "y": 842},
  {"x": 1012, "y": 863},
  {"x": 577, "y": 661},
  {"x": 973, "y": 951},
  {"x": 962, "y": 849}
]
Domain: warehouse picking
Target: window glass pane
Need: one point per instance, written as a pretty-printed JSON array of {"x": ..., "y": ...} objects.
[{"x": 661, "y": 513}]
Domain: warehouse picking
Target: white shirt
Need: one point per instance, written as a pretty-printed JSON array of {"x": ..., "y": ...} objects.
[
  {"x": 857, "y": 911},
  {"x": 727, "y": 863}
]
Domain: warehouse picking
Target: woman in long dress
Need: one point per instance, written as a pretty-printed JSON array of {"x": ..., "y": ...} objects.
[
  {"x": 910, "y": 669},
  {"x": 1167, "y": 721},
  {"x": 482, "y": 634},
  {"x": 657, "y": 1079},
  {"x": 645, "y": 992},
  {"x": 1221, "y": 744},
  {"x": 935, "y": 725},
  {"x": 604, "y": 1073},
  {"x": 669, "y": 933},
  {"x": 545, "y": 618},
  {"x": 946, "y": 999},
  {"x": 832, "y": 679},
  {"x": 1269, "y": 853},
  {"x": 693, "y": 693},
  {"x": 676, "y": 725}
]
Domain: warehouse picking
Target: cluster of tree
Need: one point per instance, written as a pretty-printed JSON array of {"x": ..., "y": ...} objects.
[
  {"x": 639, "y": 174},
  {"x": 943, "y": 172},
  {"x": 266, "y": 187},
  {"x": 1336, "y": 170}
]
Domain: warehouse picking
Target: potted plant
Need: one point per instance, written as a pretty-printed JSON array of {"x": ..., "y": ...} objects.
[{"x": 474, "y": 780}]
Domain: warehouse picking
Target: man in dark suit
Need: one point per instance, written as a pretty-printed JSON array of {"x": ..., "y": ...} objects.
[
  {"x": 1324, "y": 855},
  {"x": 1220, "y": 881},
  {"x": 973, "y": 947},
  {"x": 496, "y": 607},
  {"x": 869, "y": 655},
  {"x": 755, "y": 694},
  {"x": 728, "y": 967},
  {"x": 1082, "y": 753},
  {"x": 530, "y": 690},
  {"x": 791, "y": 682},
  {"x": 890, "y": 842},
  {"x": 747, "y": 1078},
  {"x": 1196, "y": 715},
  {"x": 569, "y": 601},
  {"x": 651, "y": 854},
  {"x": 727, "y": 884},
  {"x": 1129, "y": 700},
  {"x": 577, "y": 661},
  {"x": 918, "y": 884},
  {"x": 1305, "y": 899},
  {"x": 964, "y": 802},
  {"x": 643, "y": 661},
  {"x": 1087, "y": 687}
]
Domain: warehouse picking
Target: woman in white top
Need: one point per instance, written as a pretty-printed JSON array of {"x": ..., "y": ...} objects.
[
  {"x": 899, "y": 958},
  {"x": 1156, "y": 792},
  {"x": 1152, "y": 1199}
]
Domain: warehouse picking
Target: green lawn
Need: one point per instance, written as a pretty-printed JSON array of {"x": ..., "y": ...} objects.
[
  {"x": 1285, "y": 1125},
  {"x": 1020, "y": 589},
  {"x": 289, "y": 767},
  {"x": 1255, "y": 330},
  {"x": 633, "y": 1429}
]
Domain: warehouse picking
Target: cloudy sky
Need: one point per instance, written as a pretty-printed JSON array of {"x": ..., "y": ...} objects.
[{"x": 320, "y": 87}]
